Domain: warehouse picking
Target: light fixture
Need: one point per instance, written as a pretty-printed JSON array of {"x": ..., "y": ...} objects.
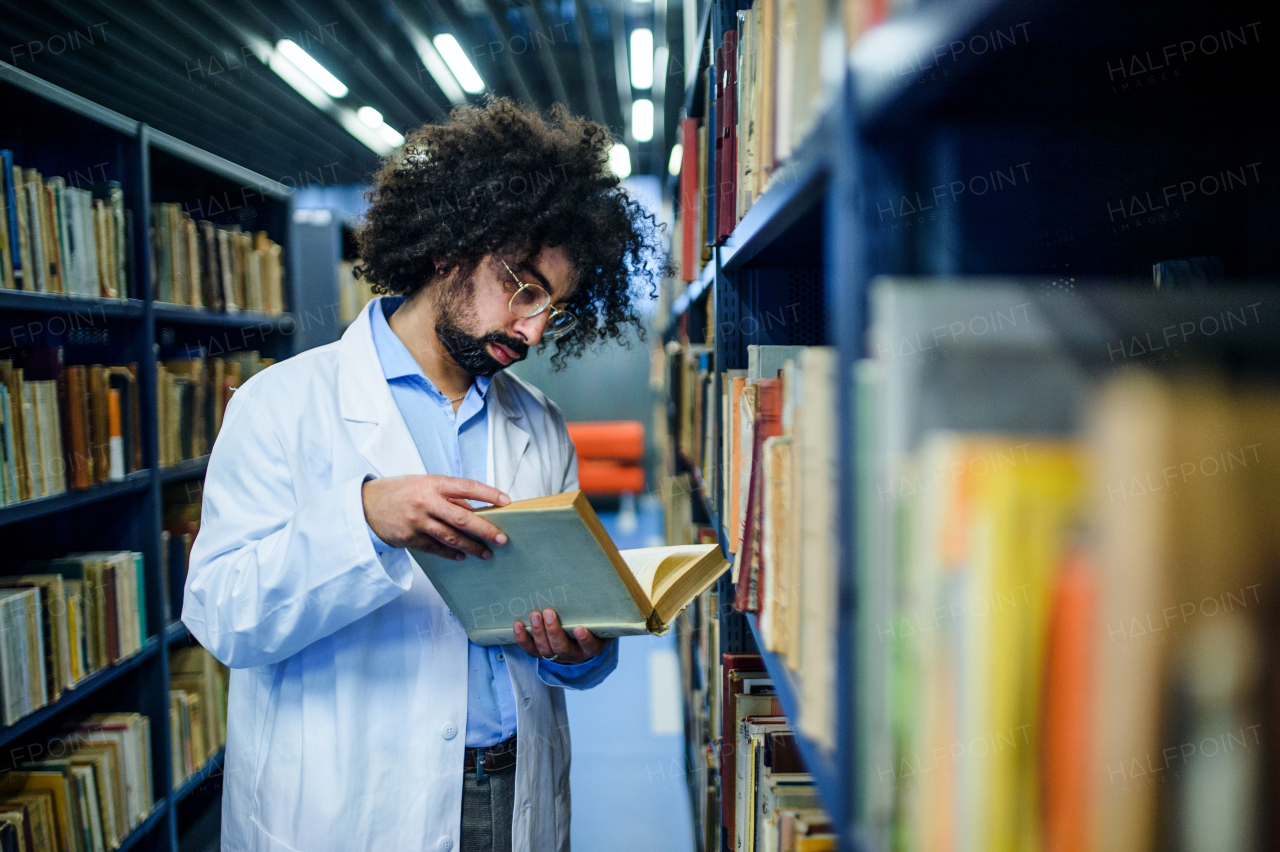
[
  {"x": 370, "y": 138},
  {"x": 366, "y": 124},
  {"x": 393, "y": 137},
  {"x": 434, "y": 63},
  {"x": 661, "y": 57},
  {"x": 620, "y": 160},
  {"x": 676, "y": 161},
  {"x": 642, "y": 58},
  {"x": 642, "y": 119},
  {"x": 458, "y": 63},
  {"x": 300, "y": 82},
  {"x": 314, "y": 71}
]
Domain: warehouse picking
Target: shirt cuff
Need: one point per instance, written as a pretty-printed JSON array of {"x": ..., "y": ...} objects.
[{"x": 380, "y": 546}]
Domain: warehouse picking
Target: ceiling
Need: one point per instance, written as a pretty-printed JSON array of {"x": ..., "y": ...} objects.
[{"x": 189, "y": 68}]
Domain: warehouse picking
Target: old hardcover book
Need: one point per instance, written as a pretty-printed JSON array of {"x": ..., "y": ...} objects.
[
  {"x": 65, "y": 803},
  {"x": 40, "y": 816},
  {"x": 15, "y": 823},
  {"x": 73, "y": 398},
  {"x": 124, "y": 378},
  {"x": 558, "y": 555},
  {"x": 98, "y": 401}
]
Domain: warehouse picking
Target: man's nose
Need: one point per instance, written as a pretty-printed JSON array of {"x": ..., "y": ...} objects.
[{"x": 530, "y": 329}]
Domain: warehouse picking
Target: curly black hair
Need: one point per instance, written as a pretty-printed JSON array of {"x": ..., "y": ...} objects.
[{"x": 504, "y": 179}]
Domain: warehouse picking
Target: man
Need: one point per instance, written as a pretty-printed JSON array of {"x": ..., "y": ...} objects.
[{"x": 360, "y": 717}]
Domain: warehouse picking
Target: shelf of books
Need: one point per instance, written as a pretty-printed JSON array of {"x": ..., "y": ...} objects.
[
  {"x": 110, "y": 401},
  {"x": 969, "y": 366}
]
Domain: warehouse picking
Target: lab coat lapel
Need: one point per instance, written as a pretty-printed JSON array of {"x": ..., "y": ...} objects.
[
  {"x": 373, "y": 419},
  {"x": 508, "y": 437}
]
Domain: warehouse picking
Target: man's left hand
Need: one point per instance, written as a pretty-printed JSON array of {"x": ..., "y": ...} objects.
[{"x": 547, "y": 637}]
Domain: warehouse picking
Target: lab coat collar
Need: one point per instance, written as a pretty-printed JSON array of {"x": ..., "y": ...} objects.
[{"x": 366, "y": 403}]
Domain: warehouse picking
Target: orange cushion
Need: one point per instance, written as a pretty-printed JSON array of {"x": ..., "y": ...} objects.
[
  {"x": 620, "y": 440},
  {"x": 607, "y": 477}
]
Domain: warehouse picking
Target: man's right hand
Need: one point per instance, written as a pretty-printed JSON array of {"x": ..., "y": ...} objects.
[{"x": 430, "y": 513}]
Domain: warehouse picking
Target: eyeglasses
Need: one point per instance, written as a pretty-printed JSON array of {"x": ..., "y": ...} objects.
[{"x": 531, "y": 300}]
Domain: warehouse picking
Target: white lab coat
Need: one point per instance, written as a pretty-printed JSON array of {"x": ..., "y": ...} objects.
[{"x": 348, "y": 700}]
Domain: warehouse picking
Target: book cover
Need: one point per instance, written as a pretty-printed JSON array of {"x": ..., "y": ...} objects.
[{"x": 558, "y": 555}]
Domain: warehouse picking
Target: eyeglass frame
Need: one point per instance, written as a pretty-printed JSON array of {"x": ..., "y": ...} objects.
[{"x": 552, "y": 310}]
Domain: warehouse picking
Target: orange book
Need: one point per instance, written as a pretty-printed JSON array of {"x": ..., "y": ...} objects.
[
  {"x": 115, "y": 434},
  {"x": 1068, "y": 697}
]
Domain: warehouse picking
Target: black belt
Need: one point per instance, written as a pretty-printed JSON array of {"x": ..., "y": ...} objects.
[{"x": 486, "y": 760}]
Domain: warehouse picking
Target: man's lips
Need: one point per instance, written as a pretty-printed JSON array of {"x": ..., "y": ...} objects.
[{"x": 503, "y": 354}]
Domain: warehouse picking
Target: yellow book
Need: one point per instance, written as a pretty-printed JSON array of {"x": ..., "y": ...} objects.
[{"x": 59, "y": 787}]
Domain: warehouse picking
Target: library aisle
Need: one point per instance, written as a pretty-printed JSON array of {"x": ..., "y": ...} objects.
[{"x": 630, "y": 793}]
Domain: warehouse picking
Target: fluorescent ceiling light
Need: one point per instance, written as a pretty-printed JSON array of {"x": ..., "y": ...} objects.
[
  {"x": 642, "y": 119},
  {"x": 393, "y": 137},
  {"x": 317, "y": 73},
  {"x": 458, "y": 63},
  {"x": 370, "y": 116},
  {"x": 371, "y": 139},
  {"x": 300, "y": 82},
  {"x": 642, "y": 59},
  {"x": 620, "y": 160},
  {"x": 677, "y": 159},
  {"x": 435, "y": 65}
]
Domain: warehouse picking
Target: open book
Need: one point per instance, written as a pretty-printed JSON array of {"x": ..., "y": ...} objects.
[{"x": 559, "y": 556}]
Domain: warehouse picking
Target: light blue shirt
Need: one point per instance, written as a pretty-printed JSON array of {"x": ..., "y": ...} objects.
[{"x": 458, "y": 445}]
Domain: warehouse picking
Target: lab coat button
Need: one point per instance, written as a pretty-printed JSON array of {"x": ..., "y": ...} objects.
[
  {"x": 449, "y": 731},
  {"x": 445, "y": 844}
]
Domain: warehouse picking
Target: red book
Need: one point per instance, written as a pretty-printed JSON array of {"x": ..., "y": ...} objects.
[
  {"x": 768, "y": 423},
  {"x": 719, "y": 146},
  {"x": 690, "y": 244},
  {"x": 727, "y": 144},
  {"x": 731, "y": 687}
]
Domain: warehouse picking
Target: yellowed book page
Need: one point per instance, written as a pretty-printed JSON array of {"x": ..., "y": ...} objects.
[
  {"x": 776, "y": 522},
  {"x": 746, "y": 429}
]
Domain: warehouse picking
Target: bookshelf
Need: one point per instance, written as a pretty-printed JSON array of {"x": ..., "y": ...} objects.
[
  {"x": 64, "y": 134},
  {"x": 323, "y": 237},
  {"x": 903, "y": 115}
]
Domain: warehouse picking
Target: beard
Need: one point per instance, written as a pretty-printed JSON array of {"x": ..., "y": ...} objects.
[{"x": 467, "y": 350}]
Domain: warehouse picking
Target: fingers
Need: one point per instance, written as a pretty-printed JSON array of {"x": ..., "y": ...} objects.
[
  {"x": 539, "y": 632},
  {"x": 463, "y": 519},
  {"x": 430, "y": 545},
  {"x": 590, "y": 644},
  {"x": 455, "y": 540},
  {"x": 524, "y": 640},
  {"x": 470, "y": 489},
  {"x": 556, "y": 638},
  {"x": 548, "y": 637}
]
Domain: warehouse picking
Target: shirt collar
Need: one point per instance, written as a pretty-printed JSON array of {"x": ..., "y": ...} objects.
[{"x": 396, "y": 359}]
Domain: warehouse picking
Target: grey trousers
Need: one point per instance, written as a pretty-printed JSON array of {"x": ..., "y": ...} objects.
[{"x": 487, "y": 809}]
